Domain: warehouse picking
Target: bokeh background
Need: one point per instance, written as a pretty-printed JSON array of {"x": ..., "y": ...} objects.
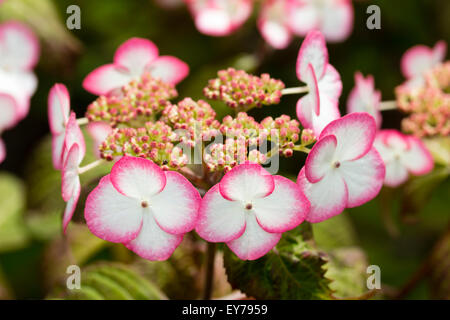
[{"x": 397, "y": 231}]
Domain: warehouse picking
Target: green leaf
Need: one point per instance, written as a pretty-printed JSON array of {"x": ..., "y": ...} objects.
[
  {"x": 293, "y": 270},
  {"x": 335, "y": 233},
  {"x": 112, "y": 281},
  {"x": 13, "y": 233}
]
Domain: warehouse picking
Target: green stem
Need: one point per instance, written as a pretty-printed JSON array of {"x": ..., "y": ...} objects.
[
  {"x": 295, "y": 90},
  {"x": 90, "y": 166},
  {"x": 388, "y": 105},
  {"x": 82, "y": 121},
  {"x": 302, "y": 149}
]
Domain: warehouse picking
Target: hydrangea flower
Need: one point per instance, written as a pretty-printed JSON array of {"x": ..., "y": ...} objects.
[
  {"x": 58, "y": 116},
  {"x": 402, "y": 155},
  {"x": 417, "y": 60},
  {"x": 8, "y": 118},
  {"x": 273, "y": 25},
  {"x": 74, "y": 150},
  {"x": 145, "y": 208},
  {"x": 343, "y": 169},
  {"x": 320, "y": 106},
  {"x": 218, "y": 17},
  {"x": 334, "y": 18},
  {"x": 133, "y": 58},
  {"x": 19, "y": 53},
  {"x": 364, "y": 98},
  {"x": 249, "y": 210}
]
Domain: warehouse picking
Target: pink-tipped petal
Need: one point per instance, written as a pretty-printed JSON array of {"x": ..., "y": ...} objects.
[
  {"x": 284, "y": 209},
  {"x": 319, "y": 160},
  {"x": 355, "y": 134},
  {"x": 105, "y": 79},
  {"x": 58, "y": 108},
  {"x": 169, "y": 69},
  {"x": 303, "y": 17},
  {"x": 396, "y": 174},
  {"x": 137, "y": 177},
  {"x": 57, "y": 150},
  {"x": 246, "y": 182},
  {"x": 112, "y": 216},
  {"x": 272, "y": 23},
  {"x": 220, "y": 220},
  {"x": 2, "y": 151},
  {"x": 175, "y": 208},
  {"x": 99, "y": 131},
  {"x": 255, "y": 242},
  {"x": 363, "y": 178},
  {"x": 328, "y": 197},
  {"x": 135, "y": 55},
  {"x": 8, "y": 112},
  {"x": 417, "y": 159},
  {"x": 73, "y": 135},
  {"x": 71, "y": 206},
  {"x": 19, "y": 47},
  {"x": 330, "y": 85},
  {"x": 416, "y": 61},
  {"x": 313, "y": 86},
  {"x": 337, "y": 20},
  {"x": 213, "y": 22},
  {"x": 153, "y": 243},
  {"x": 70, "y": 178},
  {"x": 313, "y": 51}
]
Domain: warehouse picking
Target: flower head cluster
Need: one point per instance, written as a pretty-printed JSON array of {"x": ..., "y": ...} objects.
[
  {"x": 155, "y": 141},
  {"x": 19, "y": 53},
  {"x": 278, "y": 20},
  {"x": 240, "y": 90},
  {"x": 140, "y": 100},
  {"x": 193, "y": 121},
  {"x": 132, "y": 59},
  {"x": 286, "y": 132},
  {"x": 429, "y": 105}
]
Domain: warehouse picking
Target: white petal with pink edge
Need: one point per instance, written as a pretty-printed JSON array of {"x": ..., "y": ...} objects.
[
  {"x": 219, "y": 219},
  {"x": 355, "y": 134},
  {"x": 330, "y": 84},
  {"x": 416, "y": 61},
  {"x": 99, "y": 131},
  {"x": 19, "y": 47},
  {"x": 337, "y": 20},
  {"x": 58, "y": 108},
  {"x": 284, "y": 209},
  {"x": 137, "y": 178},
  {"x": 8, "y": 112},
  {"x": 320, "y": 159},
  {"x": 20, "y": 85},
  {"x": 169, "y": 69},
  {"x": 417, "y": 159},
  {"x": 363, "y": 177},
  {"x": 439, "y": 51},
  {"x": 175, "y": 208},
  {"x": 276, "y": 33},
  {"x": 2, "y": 151},
  {"x": 246, "y": 182},
  {"x": 73, "y": 135},
  {"x": 303, "y": 17},
  {"x": 153, "y": 243},
  {"x": 112, "y": 216},
  {"x": 328, "y": 197},
  {"x": 396, "y": 173},
  {"x": 213, "y": 22},
  {"x": 135, "y": 54},
  {"x": 313, "y": 51},
  {"x": 105, "y": 79},
  {"x": 71, "y": 206},
  {"x": 255, "y": 242},
  {"x": 70, "y": 176},
  {"x": 57, "y": 150}
]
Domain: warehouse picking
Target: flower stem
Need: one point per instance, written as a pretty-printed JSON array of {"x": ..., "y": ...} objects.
[
  {"x": 295, "y": 90},
  {"x": 90, "y": 166},
  {"x": 388, "y": 105},
  {"x": 82, "y": 121},
  {"x": 209, "y": 273},
  {"x": 301, "y": 148}
]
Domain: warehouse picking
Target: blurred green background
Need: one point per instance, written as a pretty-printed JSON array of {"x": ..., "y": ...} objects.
[{"x": 68, "y": 56}]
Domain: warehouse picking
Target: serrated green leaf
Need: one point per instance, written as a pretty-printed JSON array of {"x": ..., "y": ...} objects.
[
  {"x": 334, "y": 233},
  {"x": 293, "y": 270}
]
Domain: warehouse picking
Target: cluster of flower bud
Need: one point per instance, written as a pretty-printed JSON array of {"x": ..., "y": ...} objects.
[
  {"x": 283, "y": 131},
  {"x": 428, "y": 106},
  {"x": 155, "y": 141},
  {"x": 242, "y": 91},
  {"x": 225, "y": 156},
  {"x": 138, "y": 101},
  {"x": 193, "y": 121}
]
